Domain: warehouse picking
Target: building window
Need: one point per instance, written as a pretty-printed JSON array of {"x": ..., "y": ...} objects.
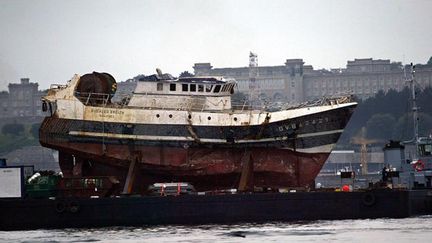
[
  {"x": 159, "y": 87},
  {"x": 172, "y": 87},
  {"x": 200, "y": 88},
  {"x": 185, "y": 87},
  {"x": 193, "y": 87}
]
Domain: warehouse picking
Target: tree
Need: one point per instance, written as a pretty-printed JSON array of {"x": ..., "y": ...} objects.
[
  {"x": 423, "y": 99},
  {"x": 13, "y": 129},
  {"x": 396, "y": 104},
  {"x": 186, "y": 74},
  {"x": 380, "y": 126},
  {"x": 430, "y": 61},
  {"x": 403, "y": 130},
  {"x": 138, "y": 77}
]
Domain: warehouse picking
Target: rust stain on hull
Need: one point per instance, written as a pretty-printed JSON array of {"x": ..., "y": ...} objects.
[{"x": 206, "y": 168}]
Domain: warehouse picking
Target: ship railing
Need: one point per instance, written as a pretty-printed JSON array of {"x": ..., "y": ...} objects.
[
  {"x": 194, "y": 103},
  {"x": 90, "y": 98},
  {"x": 266, "y": 105},
  {"x": 326, "y": 100},
  {"x": 201, "y": 103},
  {"x": 258, "y": 104},
  {"x": 242, "y": 106}
]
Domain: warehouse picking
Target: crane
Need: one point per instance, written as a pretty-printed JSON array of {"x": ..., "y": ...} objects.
[{"x": 363, "y": 142}]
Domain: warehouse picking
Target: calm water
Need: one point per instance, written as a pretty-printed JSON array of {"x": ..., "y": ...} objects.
[{"x": 417, "y": 229}]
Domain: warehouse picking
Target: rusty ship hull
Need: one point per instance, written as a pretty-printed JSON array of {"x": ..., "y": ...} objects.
[
  {"x": 293, "y": 160},
  {"x": 211, "y": 149},
  {"x": 205, "y": 168}
]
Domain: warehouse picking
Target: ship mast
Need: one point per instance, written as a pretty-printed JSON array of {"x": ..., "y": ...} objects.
[
  {"x": 414, "y": 110},
  {"x": 253, "y": 74}
]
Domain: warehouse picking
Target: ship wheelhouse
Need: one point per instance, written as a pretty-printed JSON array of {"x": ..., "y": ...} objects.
[
  {"x": 424, "y": 147},
  {"x": 191, "y": 93}
]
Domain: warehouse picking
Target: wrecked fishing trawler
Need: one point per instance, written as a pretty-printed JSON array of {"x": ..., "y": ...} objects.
[{"x": 187, "y": 129}]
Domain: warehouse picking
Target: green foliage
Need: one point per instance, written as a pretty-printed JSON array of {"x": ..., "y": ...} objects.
[
  {"x": 15, "y": 136},
  {"x": 13, "y": 129},
  {"x": 404, "y": 128},
  {"x": 139, "y": 76},
  {"x": 186, "y": 74},
  {"x": 389, "y": 116},
  {"x": 380, "y": 126}
]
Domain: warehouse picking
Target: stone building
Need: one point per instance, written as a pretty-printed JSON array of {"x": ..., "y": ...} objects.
[
  {"x": 22, "y": 100},
  {"x": 283, "y": 82},
  {"x": 295, "y": 82},
  {"x": 362, "y": 77},
  {"x": 4, "y": 103}
]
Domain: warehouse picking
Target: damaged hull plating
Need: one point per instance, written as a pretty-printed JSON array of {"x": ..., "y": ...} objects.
[{"x": 212, "y": 150}]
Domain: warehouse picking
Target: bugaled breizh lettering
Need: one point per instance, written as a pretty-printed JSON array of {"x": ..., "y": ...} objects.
[{"x": 107, "y": 111}]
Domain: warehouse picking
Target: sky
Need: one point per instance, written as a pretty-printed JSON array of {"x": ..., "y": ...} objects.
[{"x": 49, "y": 41}]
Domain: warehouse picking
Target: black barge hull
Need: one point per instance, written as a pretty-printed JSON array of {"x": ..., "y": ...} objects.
[{"x": 26, "y": 214}]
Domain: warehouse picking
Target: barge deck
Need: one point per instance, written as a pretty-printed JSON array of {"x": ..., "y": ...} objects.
[{"x": 28, "y": 214}]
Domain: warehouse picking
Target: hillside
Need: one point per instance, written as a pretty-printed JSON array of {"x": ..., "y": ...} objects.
[{"x": 389, "y": 116}]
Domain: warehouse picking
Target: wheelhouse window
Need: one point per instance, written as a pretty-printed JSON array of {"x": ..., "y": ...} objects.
[
  {"x": 193, "y": 87},
  {"x": 425, "y": 149},
  {"x": 200, "y": 88},
  {"x": 217, "y": 89},
  {"x": 229, "y": 86},
  {"x": 185, "y": 87},
  {"x": 209, "y": 87},
  {"x": 224, "y": 88},
  {"x": 159, "y": 86},
  {"x": 172, "y": 87}
]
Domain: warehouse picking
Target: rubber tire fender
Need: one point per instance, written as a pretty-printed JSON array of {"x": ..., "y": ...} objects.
[
  {"x": 73, "y": 207},
  {"x": 60, "y": 206},
  {"x": 368, "y": 199}
]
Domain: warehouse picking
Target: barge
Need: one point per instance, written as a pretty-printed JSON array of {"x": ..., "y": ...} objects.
[{"x": 28, "y": 214}]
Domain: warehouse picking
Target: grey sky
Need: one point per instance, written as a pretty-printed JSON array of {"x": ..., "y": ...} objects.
[{"x": 49, "y": 41}]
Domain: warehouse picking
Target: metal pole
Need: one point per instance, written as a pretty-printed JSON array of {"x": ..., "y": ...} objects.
[{"x": 415, "y": 110}]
